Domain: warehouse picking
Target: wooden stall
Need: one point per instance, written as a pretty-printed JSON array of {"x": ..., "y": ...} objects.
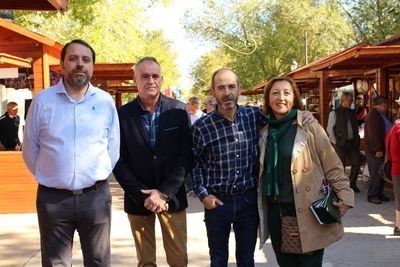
[
  {"x": 115, "y": 78},
  {"x": 32, "y": 54},
  {"x": 38, "y": 5},
  {"x": 375, "y": 66},
  {"x": 17, "y": 184}
]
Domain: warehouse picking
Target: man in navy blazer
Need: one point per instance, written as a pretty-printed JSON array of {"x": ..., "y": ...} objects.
[{"x": 155, "y": 156}]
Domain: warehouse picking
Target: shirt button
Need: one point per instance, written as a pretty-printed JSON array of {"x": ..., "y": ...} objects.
[
  {"x": 236, "y": 139},
  {"x": 297, "y": 190},
  {"x": 237, "y": 156},
  {"x": 294, "y": 171},
  {"x": 237, "y": 171},
  {"x": 308, "y": 188},
  {"x": 300, "y": 210},
  {"x": 155, "y": 157}
]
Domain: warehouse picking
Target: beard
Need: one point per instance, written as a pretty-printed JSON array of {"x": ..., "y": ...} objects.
[{"x": 79, "y": 81}]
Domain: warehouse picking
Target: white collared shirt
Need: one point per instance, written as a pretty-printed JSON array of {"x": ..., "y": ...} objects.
[{"x": 71, "y": 144}]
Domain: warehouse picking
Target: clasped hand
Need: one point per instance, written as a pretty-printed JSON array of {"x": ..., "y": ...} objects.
[{"x": 156, "y": 201}]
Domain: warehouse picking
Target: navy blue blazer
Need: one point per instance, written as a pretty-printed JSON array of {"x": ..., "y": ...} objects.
[{"x": 164, "y": 167}]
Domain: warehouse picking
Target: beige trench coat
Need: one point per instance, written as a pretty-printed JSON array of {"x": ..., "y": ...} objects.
[{"x": 313, "y": 158}]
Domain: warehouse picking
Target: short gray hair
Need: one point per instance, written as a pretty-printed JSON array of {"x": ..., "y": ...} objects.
[{"x": 143, "y": 59}]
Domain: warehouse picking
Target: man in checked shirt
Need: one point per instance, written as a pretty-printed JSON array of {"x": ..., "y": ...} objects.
[{"x": 225, "y": 148}]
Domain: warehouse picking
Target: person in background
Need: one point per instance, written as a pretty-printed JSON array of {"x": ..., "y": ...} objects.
[
  {"x": 376, "y": 126},
  {"x": 343, "y": 132},
  {"x": 360, "y": 110},
  {"x": 295, "y": 159},
  {"x": 9, "y": 125},
  {"x": 210, "y": 104},
  {"x": 392, "y": 143},
  {"x": 155, "y": 158},
  {"x": 71, "y": 144},
  {"x": 194, "y": 109}
]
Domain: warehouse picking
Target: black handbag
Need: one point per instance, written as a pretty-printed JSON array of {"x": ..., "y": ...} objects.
[{"x": 323, "y": 209}]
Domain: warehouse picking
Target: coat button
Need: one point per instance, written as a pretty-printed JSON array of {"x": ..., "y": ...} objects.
[
  {"x": 308, "y": 188},
  {"x": 294, "y": 171},
  {"x": 300, "y": 210},
  {"x": 155, "y": 157}
]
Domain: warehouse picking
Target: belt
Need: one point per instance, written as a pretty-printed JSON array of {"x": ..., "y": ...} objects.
[{"x": 96, "y": 186}]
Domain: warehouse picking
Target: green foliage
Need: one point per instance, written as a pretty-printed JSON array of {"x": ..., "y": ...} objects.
[
  {"x": 372, "y": 20},
  {"x": 263, "y": 37},
  {"x": 116, "y": 29},
  {"x": 203, "y": 70}
]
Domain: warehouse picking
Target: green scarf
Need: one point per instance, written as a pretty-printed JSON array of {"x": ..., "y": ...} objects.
[{"x": 276, "y": 129}]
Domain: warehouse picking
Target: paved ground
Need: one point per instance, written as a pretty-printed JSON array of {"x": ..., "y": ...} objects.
[{"x": 368, "y": 241}]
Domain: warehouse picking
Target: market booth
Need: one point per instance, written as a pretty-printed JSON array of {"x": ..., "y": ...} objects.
[
  {"x": 369, "y": 69},
  {"x": 29, "y": 55}
]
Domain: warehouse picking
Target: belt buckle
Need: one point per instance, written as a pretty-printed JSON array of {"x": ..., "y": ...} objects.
[{"x": 77, "y": 192}]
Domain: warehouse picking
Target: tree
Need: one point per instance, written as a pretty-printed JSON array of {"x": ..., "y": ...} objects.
[
  {"x": 263, "y": 37},
  {"x": 372, "y": 20},
  {"x": 204, "y": 68},
  {"x": 116, "y": 29}
]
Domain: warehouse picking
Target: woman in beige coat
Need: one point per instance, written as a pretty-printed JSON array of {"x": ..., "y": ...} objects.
[{"x": 294, "y": 160}]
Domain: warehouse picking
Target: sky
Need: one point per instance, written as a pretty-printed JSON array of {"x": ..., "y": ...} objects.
[{"x": 170, "y": 19}]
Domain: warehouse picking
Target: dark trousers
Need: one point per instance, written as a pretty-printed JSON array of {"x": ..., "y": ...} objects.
[
  {"x": 288, "y": 260},
  {"x": 375, "y": 180},
  {"x": 61, "y": 213},
  {"x": 188, "y": 183},
  {"x": 350, "y": 150},
  {"x": 239, "y": 211}
]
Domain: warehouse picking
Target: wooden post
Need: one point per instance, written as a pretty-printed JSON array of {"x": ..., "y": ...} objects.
[
  {"x": 118, "y": 99},
  {"x": 37, "y": 75},
  {"x": 46, "y": 68},
  {"x": 381, "y": 82},
  {"x": 323, "y": 98}
]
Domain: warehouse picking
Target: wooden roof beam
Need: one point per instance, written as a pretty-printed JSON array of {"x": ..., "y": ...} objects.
[
  {"x": 39, "y": 5},
  {"x": 9, "y": 61}
]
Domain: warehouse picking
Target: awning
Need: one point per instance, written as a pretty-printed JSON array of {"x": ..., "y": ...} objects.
[
  {"x": 9, "y": 61},
  {"x": 40, "y": 5}
]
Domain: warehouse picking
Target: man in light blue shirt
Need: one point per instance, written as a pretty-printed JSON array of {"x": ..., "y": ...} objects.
[{"x": 71, "y": 144}]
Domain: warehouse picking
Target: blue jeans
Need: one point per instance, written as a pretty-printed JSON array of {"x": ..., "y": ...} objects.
[{"x": 240, "y": 211}]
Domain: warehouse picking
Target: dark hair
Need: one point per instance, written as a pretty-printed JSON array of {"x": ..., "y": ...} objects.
[
  {"x": 267, "y": 89},
  {"x": 143, "y": 59},
  {"x": 223, "y": 69},
  {"x": 378, "y": 100},
  {"x": 77, "y": 41}
]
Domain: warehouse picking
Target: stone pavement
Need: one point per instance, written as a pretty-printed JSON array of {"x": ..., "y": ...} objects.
[{"x": 368, "y": 241}]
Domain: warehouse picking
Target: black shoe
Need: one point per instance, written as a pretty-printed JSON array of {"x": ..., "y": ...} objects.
[
  {"x": 375, "y": 200},
  {"x": 355, "y": 188},
  {"x": 384, "y": 198}
]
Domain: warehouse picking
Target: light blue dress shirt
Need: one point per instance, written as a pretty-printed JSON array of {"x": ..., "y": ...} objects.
[{"x": 71, "y": 144}]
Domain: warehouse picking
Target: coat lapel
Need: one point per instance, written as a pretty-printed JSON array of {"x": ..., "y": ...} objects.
[{"x": 300, "y": 139}]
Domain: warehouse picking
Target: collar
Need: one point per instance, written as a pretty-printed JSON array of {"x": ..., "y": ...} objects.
[
  {"x": 60, "y": 89},
  {"x": 238, "y": 110},
  {"x": 159, "y": 103}
]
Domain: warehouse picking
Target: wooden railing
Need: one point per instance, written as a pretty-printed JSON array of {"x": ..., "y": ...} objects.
[{"x": 17, "y": 185}]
